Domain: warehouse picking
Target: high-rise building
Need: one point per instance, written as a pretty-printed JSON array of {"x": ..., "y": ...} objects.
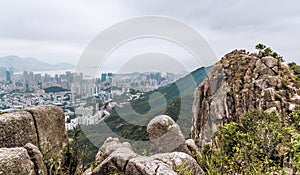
[
  {"x": 37, "y": 77},
  {"x": 28, "y": 76},
  {"x": 25, "y": 76},
  {"x": 8, "y": 76},
  {"x": 27, "y": 87},
  {"x": 56, "y": 78},
  {"x": 69, "y": 76},
  {"x": 103, "y": 77}
]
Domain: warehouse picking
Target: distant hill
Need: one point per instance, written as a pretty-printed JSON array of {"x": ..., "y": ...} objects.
[{"x": 30, "y": 64}]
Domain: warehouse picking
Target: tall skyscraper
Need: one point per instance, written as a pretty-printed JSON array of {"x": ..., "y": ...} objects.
[
  {"x": 103, "y": 77},
  {"x": 8, "y": 76}
]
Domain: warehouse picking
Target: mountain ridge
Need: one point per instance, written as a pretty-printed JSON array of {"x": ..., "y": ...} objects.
[{"x": 30, "y": 64}]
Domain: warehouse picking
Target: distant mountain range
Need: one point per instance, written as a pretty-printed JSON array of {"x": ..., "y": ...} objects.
[{"x": 31, "y": 64}]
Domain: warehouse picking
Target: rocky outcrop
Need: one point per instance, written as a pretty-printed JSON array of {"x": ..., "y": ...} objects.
[
  {"x": 17, "y": 129},
  {"x": 114, "y": 157},
  {"x": 38, "y": 131},
  {"x": 166, "y": 136},
  {"x": 15, "y": 161},
  {"x": 109, "y": 146},
  {"x": 175, "y": 154},
  {"x": 37, "y": 158},
  {"x": 237, "y": 84},
  {"x": 50, "y": 129},
  {"x": 165, "y": 163}
]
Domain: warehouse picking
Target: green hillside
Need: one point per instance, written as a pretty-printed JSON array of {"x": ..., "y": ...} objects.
[{"x": 130, "y": 121}]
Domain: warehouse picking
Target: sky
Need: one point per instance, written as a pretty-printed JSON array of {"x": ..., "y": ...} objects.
[{"x": 59, "y": 31}]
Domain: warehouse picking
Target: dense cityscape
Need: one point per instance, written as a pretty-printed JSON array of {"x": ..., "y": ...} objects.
[{"x": 85, "y": 100}]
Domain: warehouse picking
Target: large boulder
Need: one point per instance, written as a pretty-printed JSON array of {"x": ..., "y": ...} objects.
[
  {"x": 15, "y": 161},
  {"x": 115, "y": 162},
  {"x": 109, "y": 146},
  {"x": 114, "y": 157},
  {"x": 43, "y": 127},
  {"x": 50, "y": 128},
  {"x": 148, "y": 165},
  {"x": 239, "y": 83},
  {"x": 166, "y": 135},
  {"x": 17, "y": 129},
  {"x": 165, "y": 163},
  {"x": 270, "y": 61}
]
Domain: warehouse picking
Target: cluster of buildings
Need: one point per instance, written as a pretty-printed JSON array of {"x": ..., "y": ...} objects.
[
  {"x": 144, "y": 82},
  {"x": 6, "y": 74},
  {"x": 85, "y": 101}
]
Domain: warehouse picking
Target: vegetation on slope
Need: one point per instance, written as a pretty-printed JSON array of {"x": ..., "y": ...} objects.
[
  {"x": 54, "y": 89},
  {"x": 296, "y": 71},
  {"x": 178, "y": 105},
  {"x": 260, "y": 143}
]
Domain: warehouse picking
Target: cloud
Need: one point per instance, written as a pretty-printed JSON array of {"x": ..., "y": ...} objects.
[{"x": 59, "y": 30}]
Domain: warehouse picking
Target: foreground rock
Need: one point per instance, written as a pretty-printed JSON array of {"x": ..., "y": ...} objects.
[
  {"x": 41, "y": 130},
  {"x": 166, "y": 135},
  {"x": 50, "y": 128},
  {"x": 17, "y": 129},
  {"x": 15, "y": 161},
  {"x": 239, "y": 83},
  {"x": 166, "y": 163},
  {"x": 115, "y": 157}
]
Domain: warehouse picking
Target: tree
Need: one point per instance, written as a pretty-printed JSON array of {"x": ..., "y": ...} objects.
[{"x": 260, "y": 47}]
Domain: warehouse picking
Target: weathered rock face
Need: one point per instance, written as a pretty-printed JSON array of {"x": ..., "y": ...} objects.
[
  {"x": 114, "y": 157},
  {"x": 15, "y": 161},
  {"x": 166, "y": 135},
  {"x": 41, "y": 130},
  {"x": 37, "y": 159},
  {"x": 239, "y": 83},
  {"x": 115, "y": 162},
  {"x": 17, "y": 129},
  {"x": 166, "y": 163},
  {"x": 109, "y": 146},
  {"x": 50, "y": 129}
]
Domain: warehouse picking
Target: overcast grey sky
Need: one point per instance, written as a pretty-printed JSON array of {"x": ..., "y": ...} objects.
[{"x": 58, "y": 31}]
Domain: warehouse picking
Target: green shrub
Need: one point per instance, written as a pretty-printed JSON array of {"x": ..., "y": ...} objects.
[{"x": 260, "y": 143}]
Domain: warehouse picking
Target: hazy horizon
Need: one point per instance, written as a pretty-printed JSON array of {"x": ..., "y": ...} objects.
[{"x": 56, "y": 31}]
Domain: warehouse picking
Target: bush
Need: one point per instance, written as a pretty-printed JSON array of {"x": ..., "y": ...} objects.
[{"x": 260, "y": 143}]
